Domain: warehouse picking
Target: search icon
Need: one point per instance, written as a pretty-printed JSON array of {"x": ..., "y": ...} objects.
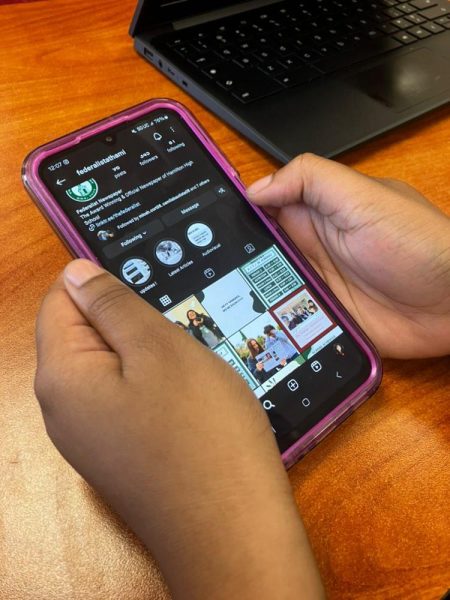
[{"x": 267, "y": 404}]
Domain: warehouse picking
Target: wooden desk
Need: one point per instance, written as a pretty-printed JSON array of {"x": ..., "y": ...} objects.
[{"x": 374, "y": 495}]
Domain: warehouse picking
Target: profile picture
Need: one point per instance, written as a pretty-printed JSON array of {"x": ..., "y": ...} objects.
[
  {"x": 199, "y": 234},
  {"x": 169, "y": 252},
  {"x": 105, "y": 234},
  {"x": 339, "y": 349}
]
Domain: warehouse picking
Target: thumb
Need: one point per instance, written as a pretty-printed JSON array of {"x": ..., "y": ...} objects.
[
  {"x": 319, "y": 183},
  {"x": 119, "y": 315}
]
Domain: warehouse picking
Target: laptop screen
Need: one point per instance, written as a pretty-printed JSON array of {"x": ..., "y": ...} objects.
[
  {"x": 151, "y": 13},
  {"x": 187, "y": 8}
]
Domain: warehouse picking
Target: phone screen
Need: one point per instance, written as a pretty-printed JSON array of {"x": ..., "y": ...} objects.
[{"x": 162, "y": 215}]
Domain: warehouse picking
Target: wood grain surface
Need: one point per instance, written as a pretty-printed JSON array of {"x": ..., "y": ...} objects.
[{"x": 374, "y": 495}]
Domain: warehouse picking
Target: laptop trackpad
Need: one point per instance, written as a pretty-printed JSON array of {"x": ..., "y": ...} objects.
[{"x": 402, "y": 81}]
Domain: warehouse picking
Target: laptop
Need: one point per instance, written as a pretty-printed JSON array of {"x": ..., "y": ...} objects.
[{"x": 303, "y": 75}]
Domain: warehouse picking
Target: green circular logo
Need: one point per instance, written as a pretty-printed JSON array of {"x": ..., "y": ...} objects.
[{"x": 84, "y": 191}]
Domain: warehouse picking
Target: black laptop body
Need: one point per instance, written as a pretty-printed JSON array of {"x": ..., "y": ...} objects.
[{"x": 310, "y": 75}]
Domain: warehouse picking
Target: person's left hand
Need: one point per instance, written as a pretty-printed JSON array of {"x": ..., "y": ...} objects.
[{"x": 172, "y": 438}]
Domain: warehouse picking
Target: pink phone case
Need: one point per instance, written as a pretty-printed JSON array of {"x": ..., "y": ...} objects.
[{"x": 72, "y": 239}]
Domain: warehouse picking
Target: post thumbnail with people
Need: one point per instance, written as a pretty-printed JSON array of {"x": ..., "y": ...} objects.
[{"x": 260, "y": 318}]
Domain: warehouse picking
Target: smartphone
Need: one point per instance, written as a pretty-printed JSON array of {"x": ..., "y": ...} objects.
[{"x": 147, "y": 194}]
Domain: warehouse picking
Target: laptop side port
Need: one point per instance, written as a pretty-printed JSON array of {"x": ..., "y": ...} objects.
[{"x": 149, "y": 54}]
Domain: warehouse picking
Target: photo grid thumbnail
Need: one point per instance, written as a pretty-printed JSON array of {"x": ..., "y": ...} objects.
[
  {"x": 192, "y": 317},
  {"x": 260, "y": 318},
  {"x": 303, "y": 318}
]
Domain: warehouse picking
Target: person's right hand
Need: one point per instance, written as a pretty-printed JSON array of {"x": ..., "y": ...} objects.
[{"x": 382, "y": 248}]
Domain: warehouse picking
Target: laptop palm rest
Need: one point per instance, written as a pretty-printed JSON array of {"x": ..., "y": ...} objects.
[{"x": 403, "y": 81}]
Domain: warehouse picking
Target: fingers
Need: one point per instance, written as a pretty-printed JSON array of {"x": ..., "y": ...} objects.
[
  {"x": 61, "y": 329},
  {"x": 320, "y": 183},
  {"x": 65, "y": 342},
  {"x": 117, "y": 313}
]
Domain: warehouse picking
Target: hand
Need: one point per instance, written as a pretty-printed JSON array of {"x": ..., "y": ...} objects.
[
  {"x": 173, "y": 439},
  {"x": 382, "y": 248}
]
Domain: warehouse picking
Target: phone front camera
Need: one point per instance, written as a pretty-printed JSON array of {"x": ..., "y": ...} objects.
[{"x": 109, "y": 139}]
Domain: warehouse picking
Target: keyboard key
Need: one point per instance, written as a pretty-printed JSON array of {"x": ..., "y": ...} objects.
[
  {"x": 245, "y": 47},
  {"x": 221, "y": 39},
  {"x": 416, "y": 19},
  {"x": 256, "y": 89},
  {"x": 299, "y": 43},
  {"x": 186, "y": 50},
  {"x": 435, "y": 12},
  {"x": 242, "y": 61},
  {"x": 373, "y": 33},
  {"x": 433, "y": 27},
  {"x": 401, "y": 23},
  {"x": 342, "y": 44},
  {"x": 272, "y": 68},
  {"x": 318, "y": 38},
  {"x": 202, "y": 60},
  {"x": 292, "y": 62},
  {"x": 225, "y": 74},
  {"x": 263, "y": 55},
  {"x": 378, "y": 17},
  {"x": 419, "y": 32},
  {"x": 298, "y": 76},
  {"x": 228, "y": 84},
  {"x": 212, "y": 70},
  {"x": 308, "y": 55},
  {"x": 282, "y": 49},
  {"x": 421, "y": 4},
  {"x": 325, "y": 49},
  {"x": 227, "y": 52},
  {"x": 405, "y": 38},
  {"x": 273, "y": 24},
  {"x": 444, "y": 21},
  {"x": 388, "y": 28},
  {"x": 356, "y": 39},
  {"x": 178, "y": 41},
  {"x": 200, "y": 45},
  {"x": 405, "y": 8},
  {"x": 392, "y": 13}
]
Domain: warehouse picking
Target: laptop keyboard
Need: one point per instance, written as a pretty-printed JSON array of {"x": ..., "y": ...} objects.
[{"x": 263, "y": 51}]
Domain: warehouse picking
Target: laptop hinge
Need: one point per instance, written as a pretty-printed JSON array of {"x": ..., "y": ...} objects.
[
  {"x": 221, "y": 13},
  {"x": 159, "y": 30},
  {"x": 143, "y": 15}
]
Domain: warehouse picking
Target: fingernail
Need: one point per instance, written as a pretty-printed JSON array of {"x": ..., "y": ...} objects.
[
  {"x": 259, "y": 185},
  {"x": 80, "y": 271}
]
